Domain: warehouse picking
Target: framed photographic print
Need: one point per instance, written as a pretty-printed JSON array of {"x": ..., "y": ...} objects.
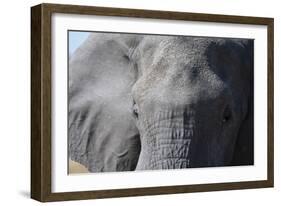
[{"x": 130, "y": 102}]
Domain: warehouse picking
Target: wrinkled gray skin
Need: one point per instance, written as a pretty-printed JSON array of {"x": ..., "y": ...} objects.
[{"x": 160, "y": 102}]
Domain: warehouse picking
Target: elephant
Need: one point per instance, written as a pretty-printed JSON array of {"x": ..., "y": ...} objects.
[{"x": 148, "y": 102}]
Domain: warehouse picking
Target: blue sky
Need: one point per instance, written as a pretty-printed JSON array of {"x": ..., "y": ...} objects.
[{"x": 76, "y": 38}]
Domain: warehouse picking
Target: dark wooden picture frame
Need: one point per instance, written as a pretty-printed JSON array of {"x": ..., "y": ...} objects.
[{"x": 41, "y": 117}]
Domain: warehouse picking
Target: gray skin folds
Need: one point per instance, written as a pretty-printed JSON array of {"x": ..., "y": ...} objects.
[{"x": 143, "y": 102}]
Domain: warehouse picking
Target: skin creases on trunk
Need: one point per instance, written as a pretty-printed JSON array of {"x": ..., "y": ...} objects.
[{"x": 166, "y": 142}]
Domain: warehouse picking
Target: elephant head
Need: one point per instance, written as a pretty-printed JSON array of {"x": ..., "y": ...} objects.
[{"x": 161, "y": 102}]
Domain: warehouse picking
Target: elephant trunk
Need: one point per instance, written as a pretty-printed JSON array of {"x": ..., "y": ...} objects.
[{"x": 166, "y": 141}]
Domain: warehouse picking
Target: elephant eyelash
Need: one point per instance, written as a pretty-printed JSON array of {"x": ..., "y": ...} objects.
[
  {"x": 227, "y": 115},
  {"x": 126, "y": 57},
  {"x": 135, "y": 110}
]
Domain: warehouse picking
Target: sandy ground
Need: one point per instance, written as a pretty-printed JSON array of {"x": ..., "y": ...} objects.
[{"x": 75, "y": 168}]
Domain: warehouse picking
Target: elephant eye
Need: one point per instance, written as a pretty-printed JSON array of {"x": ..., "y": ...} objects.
[
  {"x": 135, "y": 109},
  {"x": 227, "y": 115},
  {"x": 126, "y": 57}
]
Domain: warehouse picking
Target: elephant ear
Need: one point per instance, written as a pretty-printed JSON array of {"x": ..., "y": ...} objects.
[
  {"x": 102, "y": 132},
  {"x": 244, "y": 148}
]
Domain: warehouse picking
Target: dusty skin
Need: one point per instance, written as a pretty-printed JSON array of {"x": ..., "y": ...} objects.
[
  {"x": 145, "y": 102},
  {"x": 75, "y": 167}
]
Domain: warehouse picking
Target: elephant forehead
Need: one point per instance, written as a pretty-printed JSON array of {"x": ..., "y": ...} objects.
[
  {"x": 179, "y": 58},
  {"x": 180, "y": 92},
  {"x": 184, "y": 69},
  {"x": 179, "y": 68},
  {"x": 175, "y": 49}
]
